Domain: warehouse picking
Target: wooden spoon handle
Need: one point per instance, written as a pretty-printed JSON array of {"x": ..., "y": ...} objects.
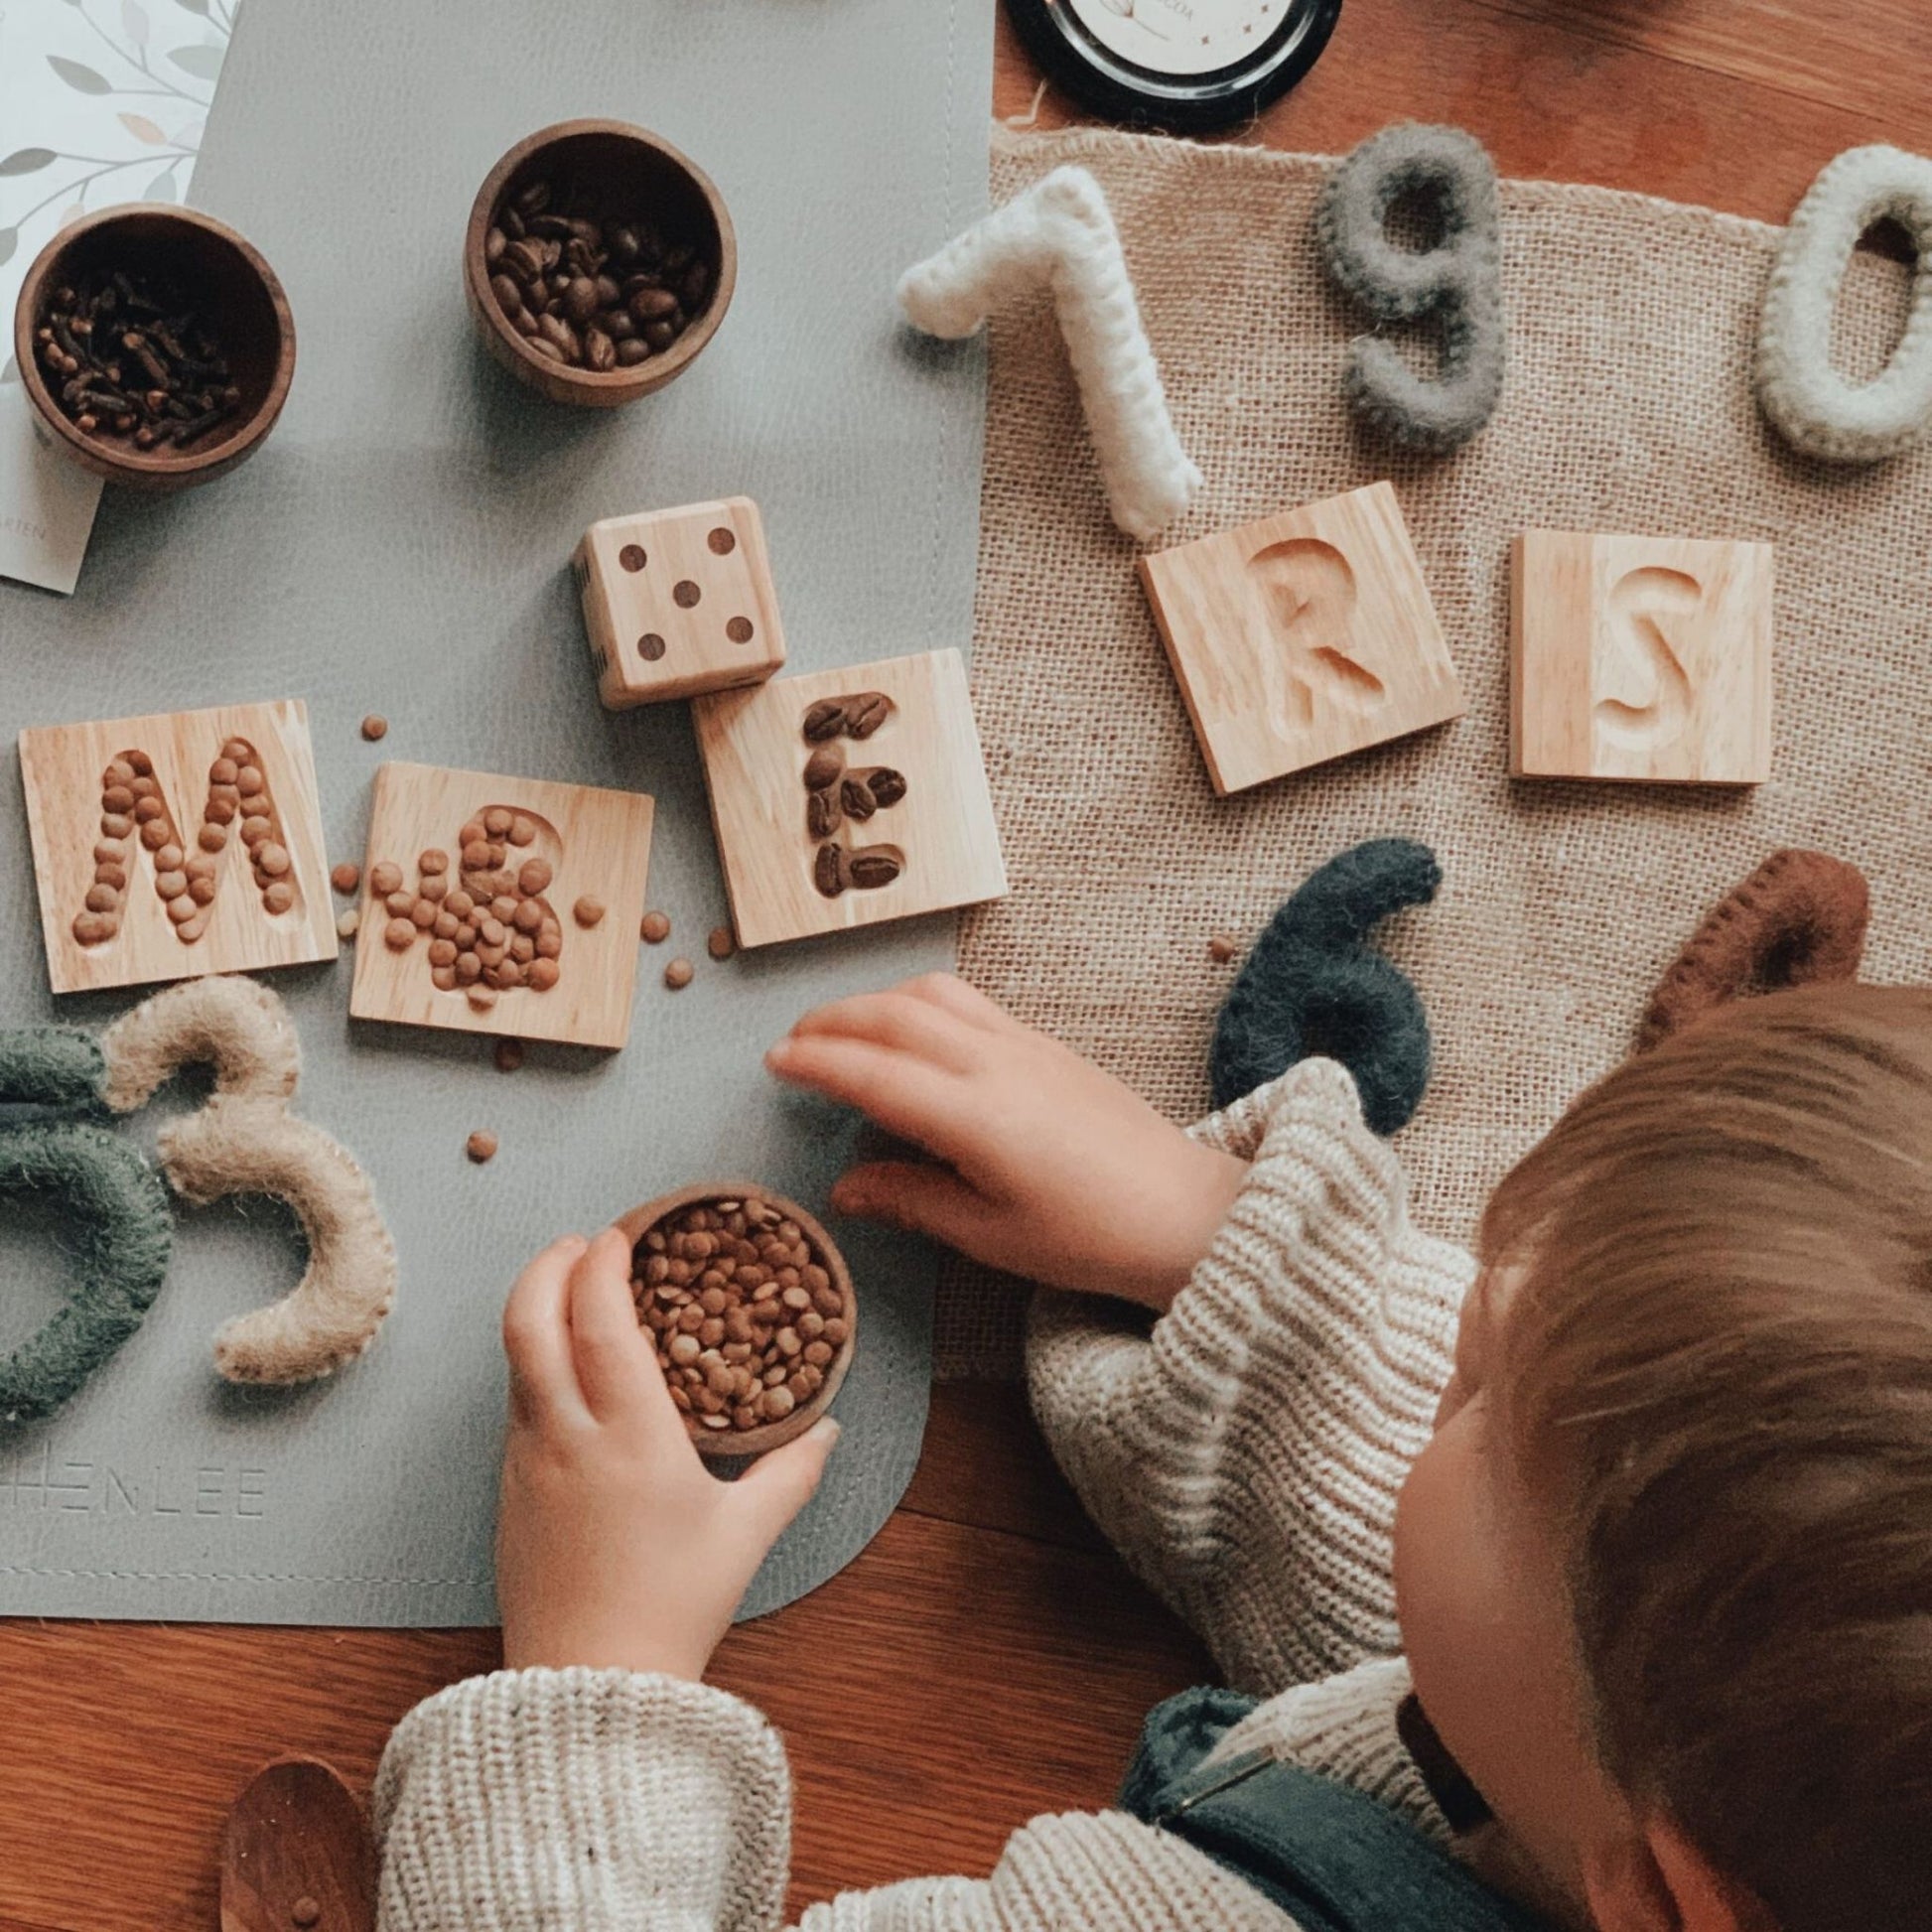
[{"x": 297, "y": 1855}]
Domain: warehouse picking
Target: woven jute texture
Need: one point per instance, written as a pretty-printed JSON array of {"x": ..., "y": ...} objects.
[{"x": 1627, "y": 407}]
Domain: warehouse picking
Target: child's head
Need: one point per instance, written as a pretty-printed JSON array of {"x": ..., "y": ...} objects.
[{"x": 1665, "y": 1575}]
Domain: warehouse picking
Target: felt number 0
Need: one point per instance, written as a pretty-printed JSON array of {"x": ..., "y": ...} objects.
[
  {"x": 1815, "y": 408},
  {"x": 1456, "y": 284}
]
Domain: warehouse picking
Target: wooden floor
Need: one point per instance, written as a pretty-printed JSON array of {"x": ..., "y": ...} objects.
[{"x": 986, "y": 1610}]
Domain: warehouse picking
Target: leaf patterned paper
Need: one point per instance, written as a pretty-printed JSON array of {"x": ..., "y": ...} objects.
[{"x": 102, "y": 102}]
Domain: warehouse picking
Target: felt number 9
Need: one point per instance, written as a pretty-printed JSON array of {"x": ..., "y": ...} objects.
[
  {"x": 1815, "y": 408},
  {"x": 1456, "y": 284}
]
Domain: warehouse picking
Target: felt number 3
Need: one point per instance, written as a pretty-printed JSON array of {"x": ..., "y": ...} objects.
[
  {"x": 1456, "y": 284},
  {"x": 115, "y": 1212}
]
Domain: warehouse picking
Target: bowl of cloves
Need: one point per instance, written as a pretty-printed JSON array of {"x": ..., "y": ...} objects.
[
  {"x": 155, "y": 344},
  {"x": 598, "y": 262}
]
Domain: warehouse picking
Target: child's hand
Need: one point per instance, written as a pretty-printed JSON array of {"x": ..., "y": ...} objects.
[
  {"x": 1054, "y": 1169},
  {"x": 615, "y": 1547}
]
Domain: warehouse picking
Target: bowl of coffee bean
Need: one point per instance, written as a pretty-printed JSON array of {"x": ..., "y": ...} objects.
[
  {"x": 155, "y": 344},
  {"x": 751, "y": 1308},
  {"x": 598, "y": 262}
]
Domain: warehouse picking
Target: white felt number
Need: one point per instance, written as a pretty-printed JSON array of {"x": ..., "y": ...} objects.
[{"x": 1816, "y": 408}]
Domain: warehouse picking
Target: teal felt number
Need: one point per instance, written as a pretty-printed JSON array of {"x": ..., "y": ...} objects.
[
  {"x": 1315, "y": 986},
  {"x": 115, "y": 1213},
  {"x": 1454, "y": 284}
]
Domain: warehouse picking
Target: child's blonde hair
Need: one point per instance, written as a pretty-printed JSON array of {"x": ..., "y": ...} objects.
[{"x": 1716, "y": 1372}]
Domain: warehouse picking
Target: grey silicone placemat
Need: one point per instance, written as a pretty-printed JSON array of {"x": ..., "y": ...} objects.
[{"x": 400, "y": 546}]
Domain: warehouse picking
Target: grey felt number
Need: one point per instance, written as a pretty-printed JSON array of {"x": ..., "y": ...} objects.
[
  {"x": 1815, "y": 408},
  {"x": 1454, "y": 284}
]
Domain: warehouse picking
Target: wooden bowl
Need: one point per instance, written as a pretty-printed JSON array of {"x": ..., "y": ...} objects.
[
  {"x": 637, "y": 170},
  {"x": 238, "y": 292},
  {"x": 733, "y": 1443}
]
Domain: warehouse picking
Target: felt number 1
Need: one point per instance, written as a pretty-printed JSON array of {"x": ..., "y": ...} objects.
[{"x": 1455, "y": 283}]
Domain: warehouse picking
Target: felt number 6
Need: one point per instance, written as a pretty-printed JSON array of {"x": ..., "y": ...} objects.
[{"x": 1456, "y": 284}]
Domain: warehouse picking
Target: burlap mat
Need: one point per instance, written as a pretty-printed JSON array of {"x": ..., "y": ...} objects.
[{"x": 1627, "y": 407}]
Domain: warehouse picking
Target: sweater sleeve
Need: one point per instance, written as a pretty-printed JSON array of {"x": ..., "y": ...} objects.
[
  {"x": 583, "y": 1801},
  {"x": 1245, "y": 1454}
]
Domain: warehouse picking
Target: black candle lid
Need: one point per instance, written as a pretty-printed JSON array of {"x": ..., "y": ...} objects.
[{"x": 1189, "y": 64}]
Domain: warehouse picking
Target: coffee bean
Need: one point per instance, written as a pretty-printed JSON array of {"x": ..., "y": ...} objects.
[
  {"x": 857, "y": 799},
  {"x": 654, "y": 305},
  {"x": 823, "y": 812},
  {"x": 886, "y": 787},
  {"x": 829, "y": 871},
  {"x": 874, "y": 867},
  {"x": 604, "y": 274},
  {"x": 1222, "y": 947},
  {"x": 866, "y": 713},
  {"x": 825, "y": 719},
  {"x": 824, "y": 767}
]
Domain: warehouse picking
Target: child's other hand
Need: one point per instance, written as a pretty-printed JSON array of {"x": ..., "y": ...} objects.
[
  {"x": 615, "y": 1547},
  {"x": 1053, "y": 1170}
]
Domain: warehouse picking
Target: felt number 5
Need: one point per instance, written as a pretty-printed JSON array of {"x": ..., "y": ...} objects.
[{"x": 1456, "y": 284}]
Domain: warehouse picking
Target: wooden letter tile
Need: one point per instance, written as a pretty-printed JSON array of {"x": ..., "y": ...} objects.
[
  {"x": 177, "y": 845},
  {"x": 1302, "y": 638},
  {"x": 468, "y": 910},
  {"x": 902, "y": 822},
  {"x": 678, "y": 602},
  {"x": 1640, "y": 657}
]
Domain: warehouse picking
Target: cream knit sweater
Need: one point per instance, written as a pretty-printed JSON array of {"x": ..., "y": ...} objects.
[{"x": 1245, "y": 1458}]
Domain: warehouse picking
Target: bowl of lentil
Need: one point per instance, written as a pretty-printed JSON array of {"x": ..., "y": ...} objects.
[
  {"x": 155, "y": 344},
  {"x": 752, "y": 1310},
  {"x": 598, "y": 263}
]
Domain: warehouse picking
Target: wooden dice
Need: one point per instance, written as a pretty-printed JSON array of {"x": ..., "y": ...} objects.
[
  {"x": 1302, "y": 638},
  {"x": 678, "y": 602},
  {"x": 1640, "y": 658}
]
